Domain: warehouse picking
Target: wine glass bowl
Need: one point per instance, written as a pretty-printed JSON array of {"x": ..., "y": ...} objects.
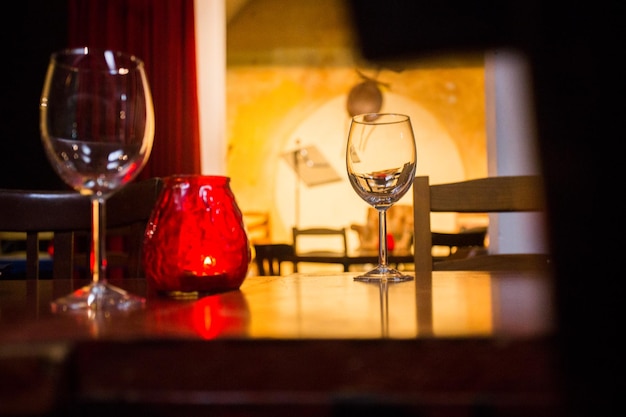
[
  {"x": 381, "y": 160},
  {"x": 97, "y": 129}
]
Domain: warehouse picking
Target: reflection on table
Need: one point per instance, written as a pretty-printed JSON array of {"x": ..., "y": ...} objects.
[
  {"x": 453, "y": 304},
  {"x": 446, "y": 304},
  {"x": 444, "y": 342}
]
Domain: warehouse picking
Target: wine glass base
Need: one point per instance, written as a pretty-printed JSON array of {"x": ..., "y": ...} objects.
[
  {"x": 383, "y": 273},
  {"x": 98, "y": 297}
]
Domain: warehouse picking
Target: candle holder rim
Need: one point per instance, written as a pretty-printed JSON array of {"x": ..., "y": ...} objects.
[{"x": 181, "y": 177}]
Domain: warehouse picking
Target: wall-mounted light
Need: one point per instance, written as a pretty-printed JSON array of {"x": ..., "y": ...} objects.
[{"x": 365, "y": 97}]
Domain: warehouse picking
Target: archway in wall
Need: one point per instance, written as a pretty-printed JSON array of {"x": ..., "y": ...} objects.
[{"x": 335, "y": 204}]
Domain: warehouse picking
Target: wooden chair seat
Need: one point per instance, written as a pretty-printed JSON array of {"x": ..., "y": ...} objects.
[{"x": 497, "y": 262}]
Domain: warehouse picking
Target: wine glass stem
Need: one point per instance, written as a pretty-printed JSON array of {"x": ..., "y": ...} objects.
[
  {"x": 98, "y": 238},
  {"x": 382, "y": 237}
]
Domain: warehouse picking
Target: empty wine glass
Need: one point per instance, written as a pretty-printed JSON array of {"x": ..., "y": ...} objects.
[
  {"x": 381, "y": 162},
  {"x": 97, "y": 128}
]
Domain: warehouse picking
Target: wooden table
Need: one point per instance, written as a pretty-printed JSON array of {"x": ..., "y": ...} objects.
[{"x": 450, "y": 343}]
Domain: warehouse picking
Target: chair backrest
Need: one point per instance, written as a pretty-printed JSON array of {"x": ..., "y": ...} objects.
[
  {"x": 320, "y": 233},
  {"x": 67, "y": 214},
  {"x": 523, "y": 193},
  {"x": 268, "y": 257}
]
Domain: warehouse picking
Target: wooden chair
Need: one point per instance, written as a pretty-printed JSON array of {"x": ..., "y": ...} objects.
[
  {"x": 321, "y": 234},
  {"x": 67, "y": 214},
  {"x": 269, "y": 257},
  {"x": 485, "y": 195}
]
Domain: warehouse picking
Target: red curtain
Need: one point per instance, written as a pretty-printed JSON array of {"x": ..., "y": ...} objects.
[{"x": 161, "y": 33}]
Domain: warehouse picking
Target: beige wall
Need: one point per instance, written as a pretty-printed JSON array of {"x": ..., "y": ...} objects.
[{"x": 290, "y": 68}]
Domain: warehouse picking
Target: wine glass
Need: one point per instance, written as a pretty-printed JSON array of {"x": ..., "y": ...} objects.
[
  {"x": 97, "y": 128},
  {"x": 381, "y": 162}
]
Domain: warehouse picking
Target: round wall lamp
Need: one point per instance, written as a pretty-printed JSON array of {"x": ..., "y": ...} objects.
[{"x": 365, "y": 97}]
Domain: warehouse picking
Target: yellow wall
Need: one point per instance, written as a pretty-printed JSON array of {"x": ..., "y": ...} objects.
[{"x": 287, "y": 59}]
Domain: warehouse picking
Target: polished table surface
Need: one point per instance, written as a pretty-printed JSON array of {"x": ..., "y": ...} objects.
[{"x": 319, "y": 342}]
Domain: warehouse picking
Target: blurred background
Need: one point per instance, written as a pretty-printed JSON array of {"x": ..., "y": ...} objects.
[{"x": 292, "y": 75}]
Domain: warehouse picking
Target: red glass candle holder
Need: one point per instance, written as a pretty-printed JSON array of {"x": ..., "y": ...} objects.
[{"x": 195, "y": 240}]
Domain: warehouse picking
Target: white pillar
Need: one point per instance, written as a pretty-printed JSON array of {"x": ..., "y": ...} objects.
[
  {"x": 210, "y": 31},
  {"x": 512, "y": 148}
]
